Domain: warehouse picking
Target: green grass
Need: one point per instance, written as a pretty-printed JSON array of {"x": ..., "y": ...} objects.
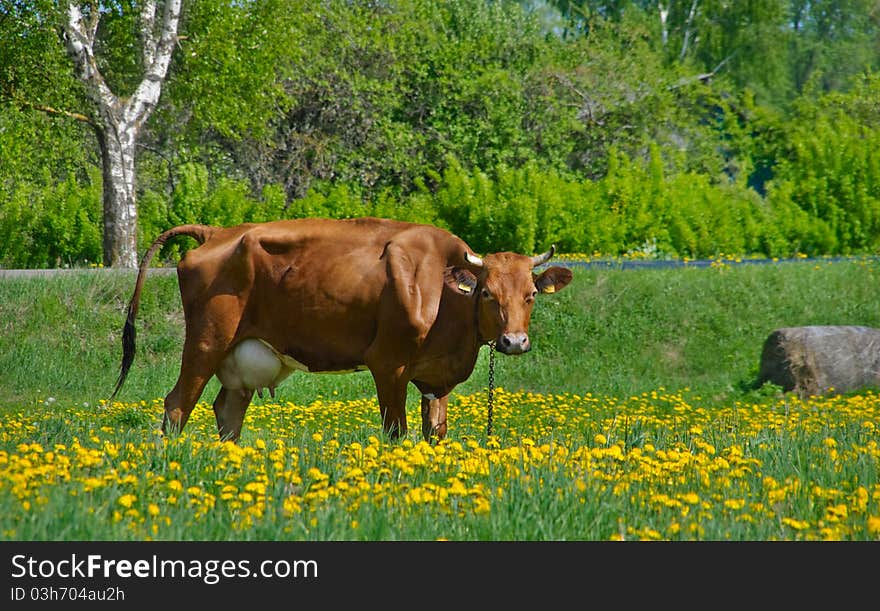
[
  {"x": 562, "y": 467},
  {"x": 611, "y": 332},
  {"x": 631, "y": 418}
]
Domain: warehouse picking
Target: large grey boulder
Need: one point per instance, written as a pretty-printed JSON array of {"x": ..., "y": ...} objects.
[{"x": 818, "y": 360}]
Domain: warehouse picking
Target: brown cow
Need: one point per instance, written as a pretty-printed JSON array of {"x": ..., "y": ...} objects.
[{"x": 408, "y": 302}]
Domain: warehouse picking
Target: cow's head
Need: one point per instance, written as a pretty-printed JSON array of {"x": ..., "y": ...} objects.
[{"x": 505, "y": 288}]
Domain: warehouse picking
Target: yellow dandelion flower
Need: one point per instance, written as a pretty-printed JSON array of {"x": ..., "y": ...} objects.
[
  {"x": 256, "y": 487},
  {"x": 776, "y": 496},
  {"x": 861, "y": 498},
  {"x": 315, "y": 473},
  {"x": 456, "y": 486},
  {"x": 836, "y": 512},
  {"x": 127, "y": 500},
  {"x": 615, "y": 452},
  {"x": 692, "y": 498},
  {"x": 796, "y": 524},
  {"x": 291, "y": 505},
  {"x": 482, "y": 505}
]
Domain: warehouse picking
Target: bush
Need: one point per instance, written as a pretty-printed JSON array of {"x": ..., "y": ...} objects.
[
  {"x": 52, "y": 225},
  {"x": 195, "y": 200},
  {"x": 635, "y": 208},
  {"x": 829, "y": 168}
]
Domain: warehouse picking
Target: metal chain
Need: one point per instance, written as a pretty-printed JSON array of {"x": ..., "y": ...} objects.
[{"x": 491, "y": 393}]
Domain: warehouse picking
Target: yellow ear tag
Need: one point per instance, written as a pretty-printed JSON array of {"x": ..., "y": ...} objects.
[
  {"x": 464, "y": 288},
  {"x": 549, "y": 289}
]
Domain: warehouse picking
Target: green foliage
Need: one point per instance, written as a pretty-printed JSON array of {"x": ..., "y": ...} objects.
[
  {"x": 195, "y": 200},
  {"x": 830, "y": 168},
  {"x": 635, "y": 206},
  {"x": 227, "y": 74},
  {"x": 513, "y": 124},
  {"x": 53, "y": 226},
  {"x": 34, "y": 68}
]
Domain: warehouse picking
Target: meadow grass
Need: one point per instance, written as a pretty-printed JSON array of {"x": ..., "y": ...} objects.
[
  {"x": 560, "y": 467},
  {"x": 611, "y": 332},
  {"x": 632, "y": 418}
]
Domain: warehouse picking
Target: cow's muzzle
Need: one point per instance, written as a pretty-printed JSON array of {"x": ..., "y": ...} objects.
[{"x": 513, "y": 343}]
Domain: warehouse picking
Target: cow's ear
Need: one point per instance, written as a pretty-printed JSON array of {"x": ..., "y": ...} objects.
[
  {"x": 553, "y": 279},
  {"x": 460, "y": 280}
]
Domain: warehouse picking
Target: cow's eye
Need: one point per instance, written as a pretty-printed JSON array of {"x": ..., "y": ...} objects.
[
  {"x": 531, "y": 298},
  {"x": 486, "y": 294}
]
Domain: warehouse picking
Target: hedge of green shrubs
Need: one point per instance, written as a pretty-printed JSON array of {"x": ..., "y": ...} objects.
[{"x": 825, "y": 201}]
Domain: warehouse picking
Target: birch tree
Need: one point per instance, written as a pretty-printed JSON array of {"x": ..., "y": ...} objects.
[{"x": 118, "y": 120}]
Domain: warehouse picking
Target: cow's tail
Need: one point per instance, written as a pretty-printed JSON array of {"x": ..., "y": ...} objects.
[{"x": 129, "y": 334}]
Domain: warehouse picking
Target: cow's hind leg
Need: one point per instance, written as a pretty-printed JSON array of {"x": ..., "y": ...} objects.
[
  {"x": 197, "y": 367},
  {"x": 229, "y": 409}
]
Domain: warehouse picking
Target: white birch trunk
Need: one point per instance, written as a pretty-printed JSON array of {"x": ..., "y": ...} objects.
[
  {"x": 688, "y": 30},
  {"x": 118, "y": 121},
  {"x": 664, "y": 27}
]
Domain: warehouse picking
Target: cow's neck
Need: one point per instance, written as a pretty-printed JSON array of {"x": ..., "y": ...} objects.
[{"x": 479, "y": 340}]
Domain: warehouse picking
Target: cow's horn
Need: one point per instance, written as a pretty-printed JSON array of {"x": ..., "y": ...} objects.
[
  {"x": 540, "y": 259},
  {"x": 473, "y": 259}
]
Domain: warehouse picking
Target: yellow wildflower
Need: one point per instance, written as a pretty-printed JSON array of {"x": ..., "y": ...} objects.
[{"x": 127, "y": 500}]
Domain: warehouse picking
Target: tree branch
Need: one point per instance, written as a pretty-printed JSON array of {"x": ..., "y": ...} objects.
[
  {"x": 687, "y": 30},
  {"x": 145, "y": 97},
  {"x": 148, "y": 33},
  {"x": 51, "y": 110},
  {"x": 79, "y": 38},
  {"x": 12, "y": 98},
  {"x": 588, "y": 106},
  {"x": 704, "y": 77}
]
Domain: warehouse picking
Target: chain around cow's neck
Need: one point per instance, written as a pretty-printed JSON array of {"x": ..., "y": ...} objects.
[
  {"x": 490, "y": 397},
  {"x": 491, "y": 393}
]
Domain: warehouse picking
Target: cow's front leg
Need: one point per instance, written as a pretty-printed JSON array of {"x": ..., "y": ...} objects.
[
  {"x": 391, "y": 392},
  {"x": 229, "y": 409},
  {"x": 434, "y": 416}
]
